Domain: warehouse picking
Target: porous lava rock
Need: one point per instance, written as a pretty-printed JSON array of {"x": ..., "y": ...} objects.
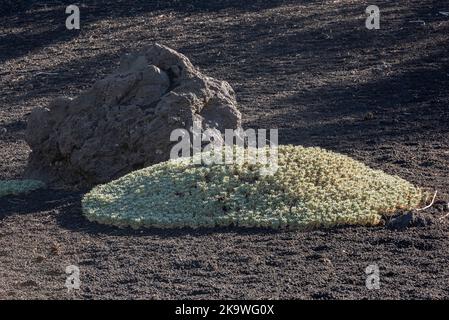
[{"x": 124, "y": 121}]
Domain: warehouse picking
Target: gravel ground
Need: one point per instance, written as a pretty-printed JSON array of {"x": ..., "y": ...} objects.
[{"x": 310, "y": 69}]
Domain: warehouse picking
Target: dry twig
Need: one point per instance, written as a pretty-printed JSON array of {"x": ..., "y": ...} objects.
[{"x": 431, "y": 204}]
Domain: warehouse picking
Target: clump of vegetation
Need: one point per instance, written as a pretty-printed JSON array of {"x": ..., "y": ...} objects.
[
  {"x": 13, "y": 187},
  {"x": 311, "y": 188}
]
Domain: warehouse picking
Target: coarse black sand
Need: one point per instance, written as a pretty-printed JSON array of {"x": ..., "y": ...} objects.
[{"x": 312, "y": 70}]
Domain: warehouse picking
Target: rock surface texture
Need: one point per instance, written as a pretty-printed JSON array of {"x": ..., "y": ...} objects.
[{"x": 124, "y": 122}]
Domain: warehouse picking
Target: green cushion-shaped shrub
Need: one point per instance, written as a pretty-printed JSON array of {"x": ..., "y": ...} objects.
[
  {"x": 312, "y": 187},
  {"x": 8, "y": 187}
]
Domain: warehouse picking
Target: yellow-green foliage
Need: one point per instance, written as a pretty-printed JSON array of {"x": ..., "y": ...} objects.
[
  {"x": 8, "y": 187},
  {"x": 312, "y": 187}
]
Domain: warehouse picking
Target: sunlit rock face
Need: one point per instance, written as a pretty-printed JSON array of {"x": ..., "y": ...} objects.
[{"x": 124, "y": 121}]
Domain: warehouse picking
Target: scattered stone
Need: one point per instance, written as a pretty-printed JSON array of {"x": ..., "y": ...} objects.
[
  {"x": 29, "y": 283},
  {"x": 40, "y": 258},
  {"x": 369, "y": 116},
  {"x": 400, "y": 222}
]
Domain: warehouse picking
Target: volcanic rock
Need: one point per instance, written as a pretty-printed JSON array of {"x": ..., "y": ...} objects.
[{"x": 124, "y": 121}]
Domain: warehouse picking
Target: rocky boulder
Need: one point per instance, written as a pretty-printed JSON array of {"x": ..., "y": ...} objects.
[{"x": 124, "y": 121}]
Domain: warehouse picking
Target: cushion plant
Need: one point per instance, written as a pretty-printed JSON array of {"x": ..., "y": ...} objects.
[
  {"x": 312, "y": 187},
  {"x": 8, "y": 187}
]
